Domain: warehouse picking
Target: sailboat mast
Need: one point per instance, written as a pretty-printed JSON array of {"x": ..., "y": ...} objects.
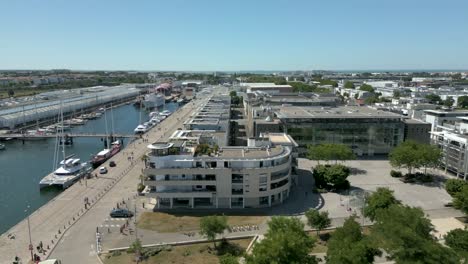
[{"x": 107, "y": 132}]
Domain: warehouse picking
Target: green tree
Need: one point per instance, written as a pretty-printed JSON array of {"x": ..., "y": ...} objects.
[
  {"x": 331, "y": 176},
  {"x": 430, "y": 156},
  {"x": 136, "y": 248},
  {"x": 405, "y": 234},
  {"x": 210, "y": 226},
  {"x": 317, "y": 220},
  {"x": 348, "y": 245},
  {"x": 463, "y": 101},
  {"x": 381, "y": 199},
  {"x": 461, "y": 200},
  {"x": 454, "y": 186},
  {"x": 285, "y": 242},
  {"x": 228, "y": 259},
  {"x": 349, "y": 85},
  {"x": 11, "y": 93},
  {"x": 366, "y": 87},
  {"x": 449, "y": 101},
  {"x": 412, "y": 155},
  {"x": 457, "y": 239},
  {"x": 329, "y": 152},
  {"x": 433, "y": 99},
  {"x": 232, "y": 93},
  {"x": 396, "y": 94}
]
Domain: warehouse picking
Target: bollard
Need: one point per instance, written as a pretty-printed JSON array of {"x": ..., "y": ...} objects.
[
  {"x": 52, "y": 243},
  {"x": 73, "y": 218}
]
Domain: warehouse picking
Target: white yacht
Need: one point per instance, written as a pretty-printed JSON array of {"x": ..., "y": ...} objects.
[
  {"x": 70, "y": 171},
  {"x": 154, "y": 100},
  {"x": 140, "y": 129}
]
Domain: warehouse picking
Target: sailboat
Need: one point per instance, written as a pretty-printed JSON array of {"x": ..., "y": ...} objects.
[
  {"x": 71, "y": 169},
  {"x": 107, "y": 153}
]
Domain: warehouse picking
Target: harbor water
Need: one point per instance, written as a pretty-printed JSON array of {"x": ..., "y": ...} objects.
[{"x": 23, "y": 165}]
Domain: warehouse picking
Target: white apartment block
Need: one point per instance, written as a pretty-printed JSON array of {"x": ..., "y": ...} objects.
[{"x": 180, "y": 174}]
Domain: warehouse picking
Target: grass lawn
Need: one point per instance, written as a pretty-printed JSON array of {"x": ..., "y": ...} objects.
[
  {"x": 193, "y": 254},
  {"x": 169, "y": 223}
]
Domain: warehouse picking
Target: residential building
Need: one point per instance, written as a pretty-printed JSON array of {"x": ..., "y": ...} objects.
[{"x": 192, "y": 170}]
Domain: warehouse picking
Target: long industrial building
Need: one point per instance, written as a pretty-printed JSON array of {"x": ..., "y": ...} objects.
[{"x": 48, "y": 105}]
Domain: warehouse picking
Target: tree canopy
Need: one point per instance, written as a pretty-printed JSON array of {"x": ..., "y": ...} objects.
[
  {"x": 366, "y": 87},
  {"x": 318, "y": 220},
  {"x": 329, "y": 152},
  {"x": 433, "y": 98},
  {"x": 449, "y": 101},
  {"x": 285, "y": 242},
  {"x": 405, "y": 234},
  {"x": 457, "y": 239},
  {"x": 210, "y": 226},
  {"x": 412, "y": 155},
  {"x": 454, "y": 186},
  {"x": 463, "y": 101},
  {"x": 349, "y": 85},
  {"x": 331, "y": 176},
  {"x": 348, "y": 245},
  {"x": 461, "y": 199},
  {"x": 381, "y": 199}
]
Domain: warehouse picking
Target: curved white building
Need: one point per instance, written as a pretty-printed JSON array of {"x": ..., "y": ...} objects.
[{"x": 192, "y": 171}]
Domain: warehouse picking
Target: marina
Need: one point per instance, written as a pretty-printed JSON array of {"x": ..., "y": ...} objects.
[{"x": 24, "y": 164}]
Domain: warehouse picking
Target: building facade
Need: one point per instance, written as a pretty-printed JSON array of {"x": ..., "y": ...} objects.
[{"x": 194, "y": 172}]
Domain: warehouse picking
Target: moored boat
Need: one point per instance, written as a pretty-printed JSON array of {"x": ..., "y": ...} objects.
[
  {"x": 70, "y": 171},
  {"x": 106, "y": 154}
]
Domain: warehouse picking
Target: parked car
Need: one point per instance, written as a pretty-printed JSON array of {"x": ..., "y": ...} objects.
[
  {"x": 112, "y": 163},
  {"x": 121, "y": 213},
  {"x": 103, "y": 170}
]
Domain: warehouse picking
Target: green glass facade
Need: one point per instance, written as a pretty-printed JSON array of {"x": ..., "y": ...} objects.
[{"x": 366, "y": 136}]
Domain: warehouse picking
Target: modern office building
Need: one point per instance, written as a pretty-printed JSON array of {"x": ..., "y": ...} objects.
[
  {"x": 367, "y": 131},
  {"x": 194, "y": 170}
]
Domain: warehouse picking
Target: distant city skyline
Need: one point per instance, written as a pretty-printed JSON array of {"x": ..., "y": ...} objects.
[{"x": 235, "y": 36}]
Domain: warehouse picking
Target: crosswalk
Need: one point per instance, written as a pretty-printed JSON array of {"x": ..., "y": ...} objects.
[{"x": 113, "y": 222}]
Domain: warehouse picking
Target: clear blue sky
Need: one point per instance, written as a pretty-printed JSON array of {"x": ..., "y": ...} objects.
[{"x": 203, "y": 35}]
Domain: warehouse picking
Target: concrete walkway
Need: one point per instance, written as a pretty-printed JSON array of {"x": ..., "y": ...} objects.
[{"x": 50, "y": 222}]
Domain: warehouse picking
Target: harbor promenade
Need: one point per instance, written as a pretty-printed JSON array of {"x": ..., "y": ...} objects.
[{"x": 52, "y": 223}]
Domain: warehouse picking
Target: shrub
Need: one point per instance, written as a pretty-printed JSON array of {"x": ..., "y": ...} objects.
[
  {"x": 453, "y": 186},
  {"x": 396, "y": 174}
]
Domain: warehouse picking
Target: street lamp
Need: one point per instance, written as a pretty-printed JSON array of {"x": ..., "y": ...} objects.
[{"x": 29, "y": 231}]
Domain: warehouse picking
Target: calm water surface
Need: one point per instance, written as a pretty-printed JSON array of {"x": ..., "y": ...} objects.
[{"x": 22, "y": 166}]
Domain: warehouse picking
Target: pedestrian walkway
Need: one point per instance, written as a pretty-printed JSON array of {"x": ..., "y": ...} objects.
[{"x": 50, "y": 222}]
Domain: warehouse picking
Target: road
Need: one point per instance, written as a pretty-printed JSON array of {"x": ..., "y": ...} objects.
[{"x": 65, "y": 217}]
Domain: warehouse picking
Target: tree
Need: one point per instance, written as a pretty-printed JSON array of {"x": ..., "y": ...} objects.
[
  {"x": 349, "y": 85},
  {"x": 463, "y": 101},
  {"x": 136, "y": 248},
  {"x": 430, "y": 156},
  {"x": 454, "y": 186},
  {"x": 348, "y": 245},
  {"x": 228, "y": 259},
  {"x": 449, "y": 101},
  {"x": 396, "y": 94},
  {"x": 381, "y": 199},
  {"x": 329, "y": 152},
  {"x": 367, "y": 88},
  {"x": 285, "y": 242},
  {"x": 413, "y": 155},
  {"x": 11, "y": 93},
  {"x": 232, "y": 93},
  {"x": 433, "y": 99},
  {"x": 405, "y": 234},
  {"x": 461, "y": 200},
  {"x": 318, "y": 220},
  {"x": 331, "y": 176},
  {"x": 210, "y": 226},
  {"x": 457, "y": 239}
]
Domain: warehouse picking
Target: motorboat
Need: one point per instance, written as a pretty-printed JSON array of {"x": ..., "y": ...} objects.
[
  {"x": 153, "y": 100},
  {"x": 106, "y": 154},
  {"x": 2, "y": 146},
  {"x": 70, "y": 171},
  {"x": 140, "y": 129}
]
